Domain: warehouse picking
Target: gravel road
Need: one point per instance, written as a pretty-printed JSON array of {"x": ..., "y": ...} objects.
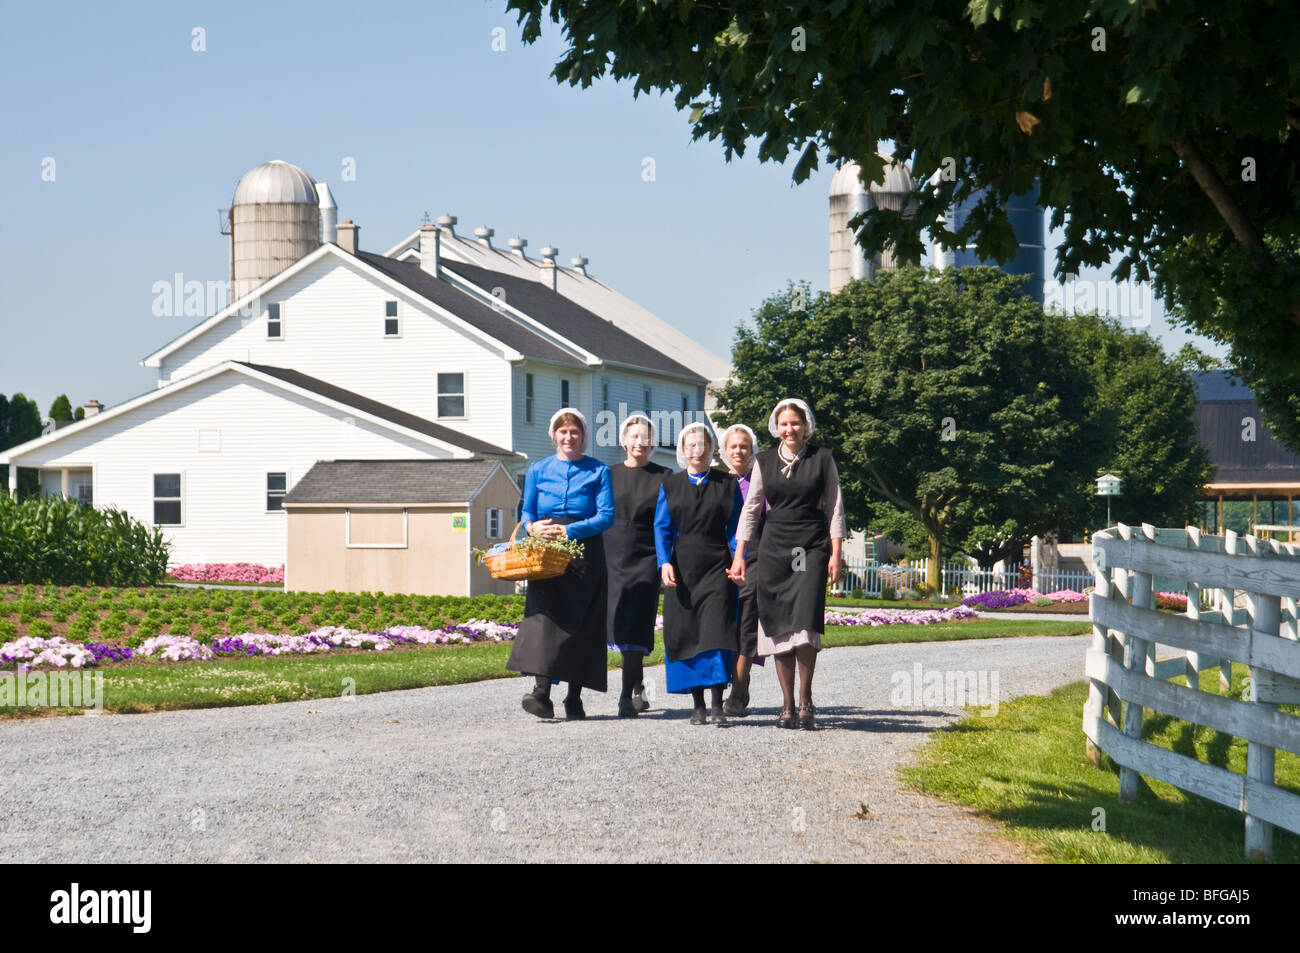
[{"x": 461, "y": 773}]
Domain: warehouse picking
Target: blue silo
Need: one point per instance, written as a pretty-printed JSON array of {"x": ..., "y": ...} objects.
[{"x": 1026, "y": 218}]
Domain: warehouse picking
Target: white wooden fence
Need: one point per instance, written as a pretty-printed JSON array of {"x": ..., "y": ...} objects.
[
  {"x": 871, "y": 577},
  {"x": 1253, "y": 585}
]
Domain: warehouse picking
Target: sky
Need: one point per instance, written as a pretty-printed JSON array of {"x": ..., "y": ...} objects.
[{"x": 127, "y": 127}]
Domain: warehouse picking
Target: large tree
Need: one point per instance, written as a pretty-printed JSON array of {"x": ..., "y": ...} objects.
[
  {"x": 950, "y": 396},
  {"x": 20, "y": 421},
  {"x": 1141, "y": 407},
  {"x": 1163, "y": 133}
]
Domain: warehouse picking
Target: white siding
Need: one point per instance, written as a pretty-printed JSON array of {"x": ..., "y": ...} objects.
[
  {"x": 262, "y": 430},
  {"x": 333, "y": 328}
]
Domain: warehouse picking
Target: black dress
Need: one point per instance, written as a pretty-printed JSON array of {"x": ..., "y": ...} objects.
[
  {"x": 700, "y": 613},
  {"x": 749, "y": 596},
  {"x": 630, "y": 562},
  {"x": 792, "y": 563}
]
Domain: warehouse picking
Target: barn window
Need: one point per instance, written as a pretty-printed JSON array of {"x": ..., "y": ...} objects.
[
  {"x": 528, "y": 398},
  {"x": 493, "y": 529},
  {"x": 274, "y": 327},
  {"x": 564, "y": 393}
]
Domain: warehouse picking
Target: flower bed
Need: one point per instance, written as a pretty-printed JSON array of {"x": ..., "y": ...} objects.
[
  {"x": 31, "y": 651},
  {"x": 227, "y": 572},
  {"x": 1063, "y": 601},
  {"x": 897, "y": 616}
]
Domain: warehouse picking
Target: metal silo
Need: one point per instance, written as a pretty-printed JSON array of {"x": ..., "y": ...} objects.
[
  {"x": 1026, "y": 218},
  {"x": 275, "y": 220},
  {"x": 848, "y": 197}
]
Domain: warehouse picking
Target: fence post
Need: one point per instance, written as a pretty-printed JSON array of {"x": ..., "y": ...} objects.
[
  {"x": 1266, "y": 617},
  {"x": 1092, "y": 711},
  {"x": 1194, "y": 613},
  {"x": 1135, "y": 660}
]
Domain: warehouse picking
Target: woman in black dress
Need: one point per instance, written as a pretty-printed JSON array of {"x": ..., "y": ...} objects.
[
  {"x": 562, "y": 635},
  {"x": 632, "y": 570},
  {"x": 739, "y": 444},
  {"x": 695, "y": 527},
  {"x": 802, "y": 536}
]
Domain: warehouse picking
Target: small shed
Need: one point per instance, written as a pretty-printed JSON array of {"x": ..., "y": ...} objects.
[{"x": 398, "y": 526}]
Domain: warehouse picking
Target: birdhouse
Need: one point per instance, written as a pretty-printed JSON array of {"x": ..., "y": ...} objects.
[{"x": 1108, "y": 485}]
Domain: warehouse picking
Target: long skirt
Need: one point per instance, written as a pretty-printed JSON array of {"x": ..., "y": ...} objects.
[
  {"x": 700, "y": 616},
  {"x": 792, "y": 564},
  {"x": 562, "y": 635},
  {"x": 633, "y": 586}
]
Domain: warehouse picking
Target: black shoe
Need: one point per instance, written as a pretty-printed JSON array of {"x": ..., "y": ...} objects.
[
  {"x": 736, "y": 704},
  {"x": 718, "y": 715},
  {"x": 787, "y": 719},
  {"x": 698, "y": 717},
  {"x": 573, "y": 709},
  {"x": 627, "y": 708},
  {"x": 535, "y": 704},
  {"x": 638, "y": 699},
  {"x": 806, "y": 713}
]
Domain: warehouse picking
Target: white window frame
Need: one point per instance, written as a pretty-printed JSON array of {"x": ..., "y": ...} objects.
[
  {"x": 347, "y": 528},
  {"x": 440, "y": 393},
  {"x": 395, "y": 316},
  {"x": 282, "y": 493},
  {"x": 155, "y": 498},
  {"x": 493, "y": 513},
  {"x": 278, "y": 308}
]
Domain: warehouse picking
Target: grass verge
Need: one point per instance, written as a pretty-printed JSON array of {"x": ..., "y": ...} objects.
[
  {"x": 133, "y": 687},
  {"x": 1026, "y": 768}
]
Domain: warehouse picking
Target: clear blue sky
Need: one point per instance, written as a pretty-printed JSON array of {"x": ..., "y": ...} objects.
[{"x": 149, "y": 138}]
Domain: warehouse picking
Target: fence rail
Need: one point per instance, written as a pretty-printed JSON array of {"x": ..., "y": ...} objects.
[
  {"x": 1252, "y": 585},
  {"x": 871, "y": 577}
]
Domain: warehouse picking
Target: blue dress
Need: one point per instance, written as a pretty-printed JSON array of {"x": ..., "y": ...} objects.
[
  {"x": 700, "y": 614},
  {"x": 562, "y": 635}
]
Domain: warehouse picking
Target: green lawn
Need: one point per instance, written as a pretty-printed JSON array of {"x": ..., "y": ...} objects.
[
  {"x": 1026, "y": 768},
  {"x": 157, "y": 686}
]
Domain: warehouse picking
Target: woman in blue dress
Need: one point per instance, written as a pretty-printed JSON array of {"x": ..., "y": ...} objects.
[
  {"x": 695, "y": 534},
  {"x": 562, "y": 635}
]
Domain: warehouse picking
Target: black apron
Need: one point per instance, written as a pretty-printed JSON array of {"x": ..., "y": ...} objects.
[
  {"x": 792, "y": 597},
  {"x": 562, "y": 635},
  {"x": 631, "y": 565},
  {"x": 700, "y": 613},
  {"x": 749, "y": 595}
]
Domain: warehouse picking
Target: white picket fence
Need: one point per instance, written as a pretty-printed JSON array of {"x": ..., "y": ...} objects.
[
  {"x": 871, "y": 577},
  {"x": 1253, "y": 585}
]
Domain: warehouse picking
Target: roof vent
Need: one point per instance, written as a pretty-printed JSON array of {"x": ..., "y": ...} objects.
[
  {"x": 579, "y": 265},
  {"x": 518, "y": 245},
  {"x": 484, "y": 235},
  {"x": 448, "y": 222}
]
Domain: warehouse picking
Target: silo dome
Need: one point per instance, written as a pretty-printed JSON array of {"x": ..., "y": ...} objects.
[
  {"x": 275, "y": 221},
  {"x": 275, "y": 182},
  {"x": 848, "y": 197}
]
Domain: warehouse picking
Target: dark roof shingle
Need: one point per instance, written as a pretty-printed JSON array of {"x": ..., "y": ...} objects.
[
  {"x": 391, "y": 481},
  {"x": 491, "y": 322}
]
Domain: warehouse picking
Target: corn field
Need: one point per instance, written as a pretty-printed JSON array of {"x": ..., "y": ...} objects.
[{"x": 55, "y": 540}]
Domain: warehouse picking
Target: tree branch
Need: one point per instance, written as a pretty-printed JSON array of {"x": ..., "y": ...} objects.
[{"x": 1217, "y": 192}]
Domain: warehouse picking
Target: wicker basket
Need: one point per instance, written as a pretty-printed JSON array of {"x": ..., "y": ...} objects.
[{"x": 534, "y": 564}]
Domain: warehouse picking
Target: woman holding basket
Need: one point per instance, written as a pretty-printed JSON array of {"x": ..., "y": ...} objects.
[{"x": 562, "y": 635}]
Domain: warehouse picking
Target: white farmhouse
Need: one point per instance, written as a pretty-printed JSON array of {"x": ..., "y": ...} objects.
[{"x": 445, "y": 348}]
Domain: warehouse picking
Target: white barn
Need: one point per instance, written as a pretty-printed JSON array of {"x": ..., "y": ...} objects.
[{"x": 443, "y": 349}]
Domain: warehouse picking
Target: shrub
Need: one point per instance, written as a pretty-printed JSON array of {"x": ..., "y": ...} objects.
[
  {"x": 1042, "y": 601},
  {"x": 58, "y": 541},
  {"x": 887, "y": 592}
]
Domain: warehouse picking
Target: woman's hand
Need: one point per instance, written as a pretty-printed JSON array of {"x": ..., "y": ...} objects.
[
  {"x": 668, "y": 576},
  {"x": 737, "y": 571},
  {"x": 835, "y": 567},
  {"x": 548, "y": 529}
]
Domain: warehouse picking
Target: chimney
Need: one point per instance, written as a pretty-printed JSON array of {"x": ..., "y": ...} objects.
[
  {"x": 349, "y": 236},
  {"x": 518, "y": 245},
  {"x": 549, "y": 271},
  {"x": 484, "y": 235},
  {"x": 579, "y": 265},
  {"x": 329, "y": 214},
  {"x": 449, "y": 223},
  {"x": 429, "y": 249},
  {"x": 92, "y": 407}
]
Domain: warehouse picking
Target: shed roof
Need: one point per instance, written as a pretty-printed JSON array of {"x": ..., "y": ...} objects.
[{"x": 336, "y": 482}]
